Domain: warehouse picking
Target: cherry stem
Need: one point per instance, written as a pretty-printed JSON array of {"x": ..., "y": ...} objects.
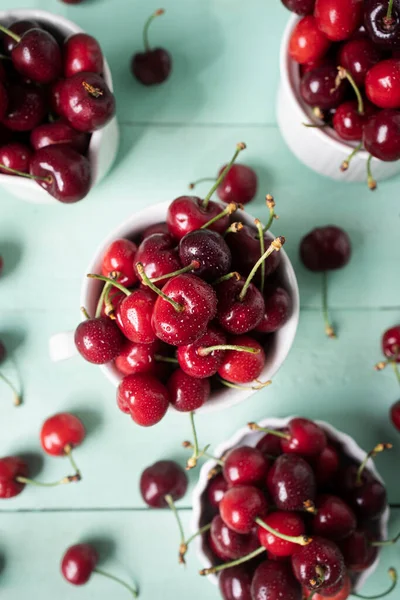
[
  {"x": 301, "y": 540},
  {"x": 344, "y": 74},
  {"x": 108, "y": 305},
  {"x": 393, "y": 576},
  {"x": 204, "y": 453},
  {"x": 309, "y": 506},
  {"x": 234, "y": 228},
  {"x": 388, "y": 20},
  {"x": 315, "y": 125},
  {"x": 93, "y": 91},
  {"x": 329, "y": 330},
  {"x": 395, "y": 369},
  {"x": 149, "y": 21},
  {"x": 346, "y": 163},
  {"x": 12, "y": 35},
  {"x": 254, "y": 427},
  {"x": 371, "y": 454},
  {"x": 234, "y": 386},
  {"x": 386, "y": 542},
  {"x": 119, "y": 286},
  {"x": 85, "y": 313},
  {"x": 202, "y": 180},
  {"x": 63, "y": 481},
  {"x": 241, "y": 146},
  {"x": 228, "y": 276},
  {"x": 192, "y": 267},
  {"x": 100, "y": 302},
  {"x": 233, "y": 563},
  {"x": 48, "y": 179},
  {"x": 131, "y": 589},
  {"x": 68, "y": 452},
  {"x": 146, "y": 281},
  {"x": 275, "y": 245},
  {"x": 319, "y": 580},
  {"x": 206, "y": 351},
  {"x": 370, "y": 179},
  {"x": 192, "y": 461},
  {"x": 262, "y": 251},
  {"x": 272, "y": 215},
  {"x": 184, "y": 545},
  {"x": 166, "y": 359},
  {"x": 390, "y": 361},
  {"x": 230, "y": 209},
  {"x": 17, "y": 396}
]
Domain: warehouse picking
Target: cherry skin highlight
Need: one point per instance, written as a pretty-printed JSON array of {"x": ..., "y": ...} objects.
[
  {"x": 187, "y": 213},
  {"x": 134, "y": 316},
  {"x": 338, "y": 19},
  {"x": 37, "y": 56},
  {"x": 216, "y": 490},
  {"x": 235, "y": 583},
  {"x": 159, "y": 256},
  {"x": 61, "y": 432},
  {"x": 59, "y": 132},
  {"x": 236, "y": 315},
  {"x": 144, "y": 398},
  {"x": 382, "y": 135},
  {"x": 137, "y": 358},
  {"x": 384, "y": 33},
  {"x": 391, "y": 343},
  {"x": 319, "y": 553},
  {"x": 334, "y": 519},
  {"x": 229, "y": 545},
  {"x": 164, "y": 477},
  {"x": 318, "y": 88},
  {"x": 210, "y": 250},
  {"x": 306, "y": 438},
  {"x": 382, "y": 83},
  {"x": 357, "y": 56},
  {"x": 19, "y": 28}
]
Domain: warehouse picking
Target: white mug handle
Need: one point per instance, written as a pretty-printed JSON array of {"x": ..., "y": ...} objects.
[{"x": 62, "y": 346}]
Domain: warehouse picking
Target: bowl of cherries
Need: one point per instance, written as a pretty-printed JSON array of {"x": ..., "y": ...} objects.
[
  {"x": 58, "y": 131},
  {"x": 290, "y": 508},
  {"x": 190, "y": 304},
  {"x": 339, "y": 97}
]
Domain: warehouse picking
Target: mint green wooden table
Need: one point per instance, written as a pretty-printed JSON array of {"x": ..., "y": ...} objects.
[{"x": 222, "y": 91}]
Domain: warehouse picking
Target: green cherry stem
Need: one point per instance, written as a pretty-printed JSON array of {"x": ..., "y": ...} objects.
[
  {"x": 184, "y": 546},
  {"x": 346, "y": 163},
  {"x": 262, "y": 250},
  {"x": 149, "y": 21},
  {"x": 166, "y": 359},
  {"x": 320, "y": 577},
  {"x": 119, "y": 286},
  {"x": 204, "y": 453},
  {"x": 388, "y": 19},
  {"x": 63, "y": 481},
  {"x": 393, "y": 576},
  {"x": 370, "y": 179},
  {"x": 344, "y": 74},
  {"x": 228, "y": 276},
  {"x": 391, "y": 542},
  {"x": 371, "y": 454},
  {"x": 395, "y": 369},
  {"x": 85, "y": 313},
  {"x": 301, "y": 540},
  {"x": 102, "y": 297},
  {"x": 233, "y": 563},
  {"x": 275, "y": 246},
  {"x": 17, "y": 395},
  {"x": 48, "y": 179},
  {"x": 270, "y": 202},
  {"x": 241, "y": 146},
  {"x": 202, "y": 180},
  {"x": 329, "y": 330},
  {"x": 234, "y": 228},
  {"x": 192, "y": 461},
  {"x": 260, "y": 384},
  {"x": 170, "y": 501},
  {"x": 131, "y": 589},
  {"x": 255, "y": 427},
  {"x": 192, "y": 267},
  {"x": 68, "y": 453},
  {"x": 206, "y": 351},
  {"x": 146, "y": 281},
  {"x": 12, "y": 35},
  {"x": 229, "y": 210}
]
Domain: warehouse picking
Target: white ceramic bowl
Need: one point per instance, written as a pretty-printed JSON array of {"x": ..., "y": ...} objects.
[
  {"x": 62, "y": 345},
  {"x": 103, "y": 144},
  {"x": 320, "y": 149},
  {"x": 245, "y": 437}
]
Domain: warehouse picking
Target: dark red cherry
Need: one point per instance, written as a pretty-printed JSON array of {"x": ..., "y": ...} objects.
[
  {"x": 338, "y": 19},
  {"x": 163, "y": 478},
  {"x": 395, "y": 414},
  {"x": 239, "y": 185},
  {"x": 270, "y": 445},
  {"x": 153, "y": 66},
  {"x": 235, "y": 314},
  {"x": 278, "y": 307},
  {"x": 63, "y": 173},
  {"x": 188, "y": 213},
  {"x": 334, "y": 519},
  {"x": 86, "y": 101},
  {"x": 193, "y": 363},
  {"x": 59, "y": 132},
  {"x": 3, "y": 101},
  {"x": 245, "y": 250},
  {"x": 60, "y": 433},
  {"x": 300, "y": 7},
  {"x": 137, "y": 358},
  {"x": 318, "y": 88},
  {"x": 120, "y": 257},
  {"x": 19, "y": 28},
  {"x": 245, "y": 466},
  {"x": 320, "y": 553},
  {"x": 216, "y": 490},
  {"x": 348, "y": 122},
  {"x": 307, "y": 42},
  {"x": 159, "y": 256},
  {"x": 384, "y": 30},
  {"x": 228, "y": 544},
  {"x": 240, "y": 506},
  {"x": 98, "y": 340},
  {"x": 382, "y": 83},
  {"x": 78, "y": 563},
  {"x": 382, "y": 135},
  {"x": 287, "y": 523},
  {"x": 187, "y": 393},
  {"x": 357, "y": 551},
  {"x": 209, "y": 249},
  {"x": 325, "y": 465},
  {"x": 157, "y": 228},
  {"x": 144, "y": 398},
  {"x": 340, "y": 591},
  {"x": 357, "y": 56},
  {"x": 15, "y": 156},
  {"x": 134, "y": 316},
  {"x": 82, "y": 53},
  {"x": 391, "y": 343},
  {"x": 274, "y": 581},
  {"x": 26, "y": 107},
  {"x": 37, "y": 56},
  {"x": 291, "y": 482},
  {"x": 242, "y": 367},
  {"x": 10, "y": 468},
  {"x": 235, "y": 583},
  {"x": 369, "y": 500},
  {"x": 306, "y": 438},
  {"x": 325, "y": 249}
]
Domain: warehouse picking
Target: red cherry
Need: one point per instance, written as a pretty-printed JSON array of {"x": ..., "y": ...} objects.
[
  {"x": 196, "y": 365},
  {"x": 98, "y": 340},
  {"x": 82, "y": 52},
  {"x": 137, "y": 358},
  {"x": 338, "y": 19},
  {"x": 37, "y": 56},
  {"x": 274, "y": 581},
  {"x": 278, "y": 307},
  {"x": 239, "y": 185},
  {"x": 357, "y": 551},
  {"x": 26, "y": 107},
  {"x": 157, "y": 228},
  {"x": 245, "y": 466},
  {"x": 325, "y": 465},
  {"x": 395, "y": 414},
  {"x": 307, "y": 42},
  {"x": 151, "y": 67},
  {"x": 357, "y": 56},
  {"x": 60, "y": 433},
  {"x": 15, "y": 156},
  {"x": 59, "y": 132},
  {"x": 10, "y": 468},
  {"x": 235, "y": 583},
  {"x": 134, "y": 316},
  {"x": 216, "y": 490},
  {"x": 270, "y": 445},
  {"x": 144, "y": 398},
  {"x": 187, "y": 393},
  {"x": 319, "y": 553},
  {"x": 291, "y": 482},
  {"x": 300, "y": 7},
  {"x": 120, "y": 257},
  {"x": 245, "y": 250},
  {"x": 391, "y": 343},
  {"x": 78, "y": 563},
  {"x": 242, "y": 367},
  {"x": 318, "y": 88},
  {"x": 306, "y": 438},
  {"x": 325, "y": 249},
  {"x": 382, "y": 83},
  {"x": 228, "y": 544},
  {"x": 159, "y": 256},
  {"x": 240, "y": 506},
  {"x": 288, "y": 523},
  {"x": 334, "y": 519},
  {"x": 348, "y": 122},
  {"x": 163, "y": 478},
  {"x": 235, "y": 314},
  {"x": 382, "y": 135},
  {"x": 187, "y": 213},
  {"x": 18, "y": 27},
  {"x": 3, "y": 101}
]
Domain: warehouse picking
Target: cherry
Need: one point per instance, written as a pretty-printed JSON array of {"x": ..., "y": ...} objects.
[
  {"x": 307, "y": 42},
  {"x": 86, "y": 101},
  {"x": 239, "y": 185},
  {"x": 158, "y": 255},
  {"x": 216, "y": 490},
  {"x": 197, "y": 365},
  {"x": 54, "y": 97},
  {"x": 301, "y": 7},
  {"x": 278, "y": 306},
  {"x": 59, "y": 132},
  {"x": 273, "y": 581},
  {"x": 318, "y": 88},
  {"x": 338, "y": 19},
  {"x": 134, "y": 316},
  {"x": 348, "y": 122},
  {"x": 82, "y": 53},
  {"x": 382, "y": 83},
  {"x": 270, "y": 445},
  {"x": 334, "y": 519},
  {"x": 242, "y": 367},
  {"x": 119, "y": 257},
  {"x": 187, "y": 393},
  {"x": 209, "y": 249},
  {"x": 60, "y": 433},
  {"x": 291, "y": 482},
  {"x": 228, "y": 544},
  {"x": 245, "y": 466},
  {"x": 395, "y": 414},
  {"x": 115, "y": 297},
  {"x": 157, "y": 228},
  {"x": 246, "y": 251},
  {"x": 382, "y": 22},
  {"x": 18, "y": 27},
  {"x": 357, "y": 551},
  {"x": 357, "y": 56},
  {"x": 303, "y": 437},
  {"x": 340, "y": 591},
  {"x": 143, "y": 397},
  {"x": 12, "y": 467},
  {"x": 325, "y": 465},
  {"x": 318, "y": 565},
  {"x": 366, "y": 495},
  {"x": 163, "y": 478},
  {"x": 240, "y": 506},
  {"x": 98, "y": 340},
  {"x": 391, "y": 343},
  {"x": 137, "y": 358},
  {"x": 287, "y": 523},
  {"x": 382, "y": 135},
  {"x": 15, "y": 156},
  {"x": 26, "y": 107},
  {"x": 235, "y": 583},
  {"x": 62, "y": 172},
  {"x": 237, "y": 314},
  {"x": 153, "y": 66}
]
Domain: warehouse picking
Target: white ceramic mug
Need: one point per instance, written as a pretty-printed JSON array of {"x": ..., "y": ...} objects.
[
  {"x": 320, "y": 149},
  {"x": 62, "y": 345},
  {"x": 245, "y": 437},
  {"x": 103, "y": 143}
]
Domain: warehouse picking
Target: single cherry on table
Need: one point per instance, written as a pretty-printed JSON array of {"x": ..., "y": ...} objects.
[{"x": 153, "y": 66}]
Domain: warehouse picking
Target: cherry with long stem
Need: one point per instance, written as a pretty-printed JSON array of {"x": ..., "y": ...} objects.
[
  {"x": 371, "y": 454},
  {"x": 262, "y": 251},
  {"x": 185, "y": 544},
  {"x": 275, "y": 246},
  {"x": 188, "y": 269},
  {"x": 48, "y": 179},
  {"x": 393, "y": 576},
  {"x": 329, "y": 330},
  {"x": 301, "y": 540},
  {"x": 382, "y": 543},
  {"x": 146, "y": 281},
  {"x": 233, "y": 563},
  {"x": 270, "y": 202},
  {"x": 149, "y": 21},
  {"x": 17, "y": 395},
  {"x": 208, "y": 350},
  {"x": 370, "y": 178},
  {"x": 344, "y": 74},
  {"x": 131, "y": 589},
  {"x": 346, "y": 163},
  {"x": 63, "y": 481},
  {"x": 197, "y": 453},
  {"x": 241, "y": 146}
]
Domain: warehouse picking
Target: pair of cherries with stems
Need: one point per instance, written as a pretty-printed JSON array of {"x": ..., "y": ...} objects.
[
  {"x": 391, "y": 349},
  {"x": 59, "y": 435},
  {"x": 16, "y": 394}
]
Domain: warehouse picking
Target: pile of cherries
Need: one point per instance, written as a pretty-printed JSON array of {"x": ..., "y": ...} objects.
[
  {"x": 342, "y": 45},
  {"x": 191, "y": 305},
  {"x": 52, "y": 97},
  {"x": 292, "y": 517}
]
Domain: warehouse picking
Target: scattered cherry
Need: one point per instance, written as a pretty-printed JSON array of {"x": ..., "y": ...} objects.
[
  {"x": 153, "y": 66},
  {"x": 163, "y": 478},
  {"x": 239, "y": 185},
  {"x": 12, "y": 467}
]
